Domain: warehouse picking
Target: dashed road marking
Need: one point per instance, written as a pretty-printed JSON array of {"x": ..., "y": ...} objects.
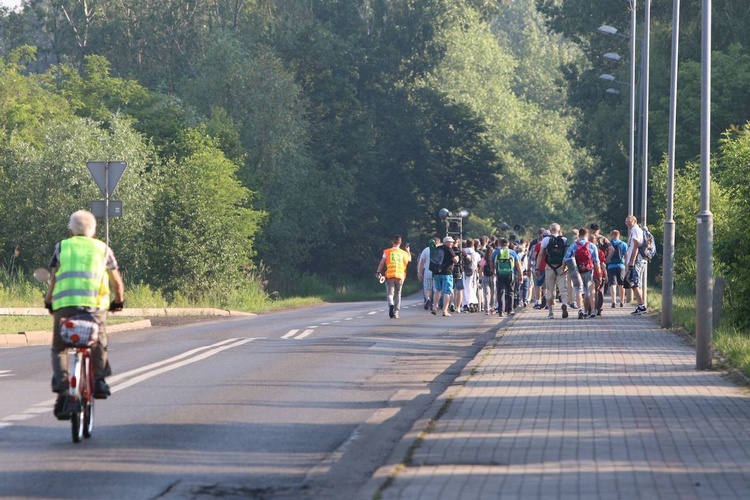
[{"x": 290, "y": 334}]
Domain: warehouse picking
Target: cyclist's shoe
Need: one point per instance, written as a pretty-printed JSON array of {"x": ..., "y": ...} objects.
[
  {"x": 101, "y": 389},
  {"x": 61, "y": 413}
]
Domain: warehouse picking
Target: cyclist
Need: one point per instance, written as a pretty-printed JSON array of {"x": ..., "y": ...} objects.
[{"x": 82, "y": 270}]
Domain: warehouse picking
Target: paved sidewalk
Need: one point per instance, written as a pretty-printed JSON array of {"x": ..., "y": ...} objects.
[{"x": 606, "y": 408}]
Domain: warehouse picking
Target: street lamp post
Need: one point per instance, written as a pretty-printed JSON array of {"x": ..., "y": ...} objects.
[
  {"x": 705, "y": 233},
  {"x": 667, "y": 284},
  {"x": 644, "y": 180},
  {"x": 610, "y": 30}
]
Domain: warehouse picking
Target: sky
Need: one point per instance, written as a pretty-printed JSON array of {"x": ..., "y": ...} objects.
[{"x": 10, "y": 3}]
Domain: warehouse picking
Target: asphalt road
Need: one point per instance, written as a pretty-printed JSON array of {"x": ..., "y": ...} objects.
[{"x": 300, "y": 404}]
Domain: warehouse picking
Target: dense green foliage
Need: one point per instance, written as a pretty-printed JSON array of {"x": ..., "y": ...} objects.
[
  {"x": 296, "y": 137},
  {"x": 312, "y": 131}
]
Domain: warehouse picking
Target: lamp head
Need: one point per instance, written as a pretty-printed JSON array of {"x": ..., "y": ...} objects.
[{"x": 444, "y": 213}]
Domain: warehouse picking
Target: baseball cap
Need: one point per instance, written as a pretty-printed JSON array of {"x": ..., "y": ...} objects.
[
  {"x": 448, "y": 239},
  {"x": 594, "y": 226}
]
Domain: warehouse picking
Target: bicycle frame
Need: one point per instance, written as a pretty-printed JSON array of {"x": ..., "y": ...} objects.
[{"x": 80, "y": 401}]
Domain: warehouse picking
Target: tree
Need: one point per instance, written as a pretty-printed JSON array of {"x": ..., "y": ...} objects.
[{"x": 201, "y": 226}]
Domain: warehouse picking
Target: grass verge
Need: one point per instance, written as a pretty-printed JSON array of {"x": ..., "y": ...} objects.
[
  {"x": 11, "y": 325},
  {"x": 732, "y": 345}
]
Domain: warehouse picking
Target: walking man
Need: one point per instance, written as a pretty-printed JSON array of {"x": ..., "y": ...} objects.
[
  {"x": 616, "y": 267},
  {"x": 553, "y": 254},
  {"x": 423, "y": 271},
  {"x": 507, "y": 269},
  {"x": 395, "y": 261},
  {"x": 442, "y": 277},
  {"x": 586, "y": 256},
  {"x": 635, "y": 261}
]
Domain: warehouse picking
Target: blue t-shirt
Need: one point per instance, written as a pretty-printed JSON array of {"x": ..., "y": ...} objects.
[
  {"x": 570, "y": 254},
  {"x": 614, "y": 263}
]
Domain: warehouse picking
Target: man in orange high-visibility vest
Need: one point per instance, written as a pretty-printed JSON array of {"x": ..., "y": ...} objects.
[{"x": 394, "y": 261}]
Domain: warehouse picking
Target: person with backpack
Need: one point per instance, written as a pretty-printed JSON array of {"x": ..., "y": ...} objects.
[
  {"x": 586, "y": 256},
  {"x": 507, "y": 269},
  {"x": 442, "y": 275},
  {"x": 600, "y": 272},
  {"x": 488, "y": 281},
  {"x": 536, "y": 268},
  {"x": 573, "y": 278},
  {"x": 423, "y": 271},
  {"x": 616, "y": 267},
  {"x": 553, "y": 254},
  {"x": 394, "y": 261},
  {"x": 635, "y": 261}
]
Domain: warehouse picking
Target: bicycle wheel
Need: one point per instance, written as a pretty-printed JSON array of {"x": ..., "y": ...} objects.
[
  {"x": 88, "y": 418},
  {"x": 77, "y": 425}
]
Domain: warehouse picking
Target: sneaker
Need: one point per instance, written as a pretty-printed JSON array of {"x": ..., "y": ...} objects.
[
  {"x": 614, "y": 305},
  {"x": 622, "y": 305},
  {"x": 641, "y": 309},
  {"x": 500, "y": 314},
  {"x": 101, "y": 389},
  {"x": 564, "y": 311},
  {"x": 427, "y": 305},
  {"x": 598, "y": 312},
  {"x": 580, "y": 314},
  {"x": 550, "y": 315},
  {"x": 486, "y": 313},
  {"x": 433, "y": 312},
  {"x": 536, "y": 306},
  {"x": 512, "y": 313},
  {"x": 60, "y": 411},
  {"x": 390, "y": 311}
]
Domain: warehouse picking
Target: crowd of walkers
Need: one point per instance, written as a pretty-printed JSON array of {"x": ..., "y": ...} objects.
[{"x": 498, "y": 275}]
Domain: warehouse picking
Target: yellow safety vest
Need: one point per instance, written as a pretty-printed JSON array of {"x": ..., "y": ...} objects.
[
  {"x": 81, "y": 280},
  {"x": 396, "y": 261}
]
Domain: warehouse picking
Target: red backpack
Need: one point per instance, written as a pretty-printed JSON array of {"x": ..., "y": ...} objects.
[{"x": 583, "y": 258}]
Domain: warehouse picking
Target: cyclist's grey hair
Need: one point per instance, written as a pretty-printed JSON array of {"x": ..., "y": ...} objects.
[
  {"x": 554, "y": 228},
  {"x": 82, "y": 223}
]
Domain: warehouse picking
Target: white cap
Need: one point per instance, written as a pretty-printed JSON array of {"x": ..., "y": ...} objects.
[{"x": 448, "y": 239}]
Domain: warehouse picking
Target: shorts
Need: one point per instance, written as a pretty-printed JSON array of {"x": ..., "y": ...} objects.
[
  {"x": 458, "y": 284},
  {"x": 634, "y": 274},
  {"x": 616, "y": 276},
  {"x": 539, "y": 279},
  {"x": 443, "y": 283},
  {"x": 585, "y": 286}
]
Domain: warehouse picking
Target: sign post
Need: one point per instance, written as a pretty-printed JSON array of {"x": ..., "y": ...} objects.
[{"x": 107, "y": 174}]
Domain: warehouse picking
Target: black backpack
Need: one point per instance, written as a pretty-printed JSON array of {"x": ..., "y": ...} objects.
[
  {"x": 436, "y": 260},
  {"x": 555, "y": 251}
]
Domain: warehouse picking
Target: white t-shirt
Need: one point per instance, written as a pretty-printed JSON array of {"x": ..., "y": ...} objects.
[
  {"x": 425, "y": 258},
  {"x": 635, "y": 237}
]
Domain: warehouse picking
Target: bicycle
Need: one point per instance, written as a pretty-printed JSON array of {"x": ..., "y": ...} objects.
[{"x": 80, "y": 333}]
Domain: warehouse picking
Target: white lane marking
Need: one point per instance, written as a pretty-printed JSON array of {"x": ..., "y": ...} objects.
[
  {"x": 325, "y": 324},
  {"x": 37, "y": 411},
  {"x": 372, "y": 312},
  {"x": 337, "y": 321},
  {"x": 21, "y": 416},
  {"x": 117, "y": 378},
  {"x": 291, "y": 333},
  {"x": 304, "y": 334},
  {"x": 199, "y": 357},
  {"x": 216, "y": 348},
  {"x": 5, "y": 373},
  {"x": 348, "y": 319}
]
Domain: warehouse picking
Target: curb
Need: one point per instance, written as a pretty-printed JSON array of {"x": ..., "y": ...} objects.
[
  {"x": 135, "y": 312},
  {"x": 37, "y": 338}
]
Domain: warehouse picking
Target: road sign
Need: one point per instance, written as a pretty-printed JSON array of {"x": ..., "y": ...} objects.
[
  {"x": 106, "y": 174},
  {"x": 115, "y": 208}
]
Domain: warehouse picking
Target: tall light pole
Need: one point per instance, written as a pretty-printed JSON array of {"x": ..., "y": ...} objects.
[
  {"x": 631, "y": 166},
  {"x": 705, "y": 233},
  {"x": 667, "y": 283},
  {"x": 644, "y": 180},
  {"x": 610, "y": 30}
]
